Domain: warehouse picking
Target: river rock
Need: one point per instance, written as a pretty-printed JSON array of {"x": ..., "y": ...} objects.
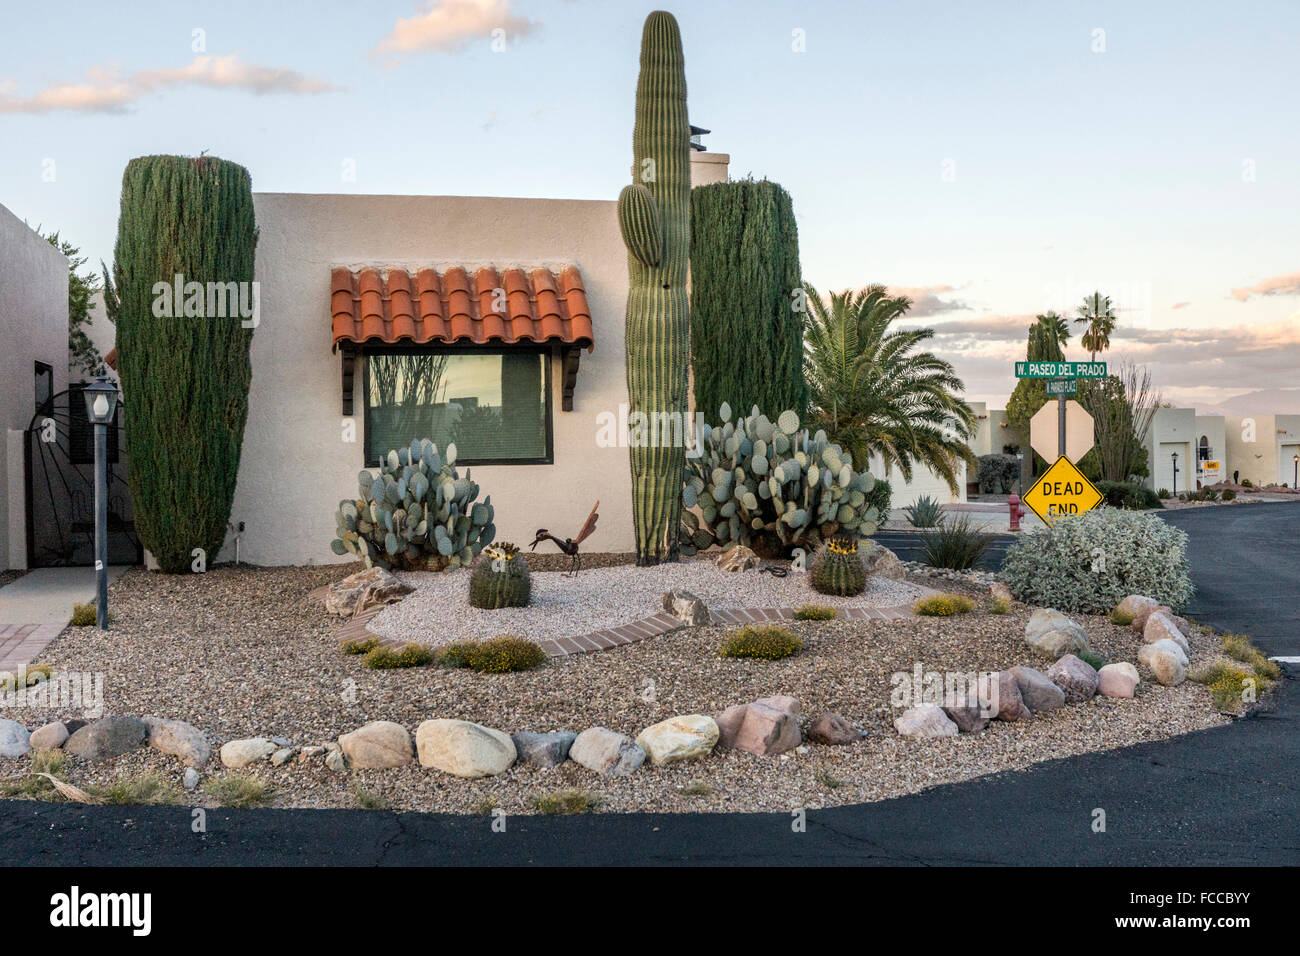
[
  {"x": 249, "y": 750},
  {"x": 15, "y": 741},
  {"x": 1165, "y": 660},
  {"x": 1161, "y": 627},
  {"x": 1117, "y": 680},
  {"x": 179, "y": 739},
  {"x": 378, "y": 744},
  {"x": 363, "y": 590},
  {"x": 967, "y": 711},
  {"x": 686, "y": 607},
  {"x": 50, "y": 737},
  {"x": 543, "y": 750},
  {"x": 1011, "y": 706},
  {"x": 1135, "y": 604},
  {"x": 882, "y": 562},
  {"x": 1052, "y": 634},
  {"x": 1037, "y": 690},
  {"x": 464, "y": 749},
  {"x": 1076, "y": 678},
  {"x": 108, "y": 737},
  {"x": 925, "y": 720},
  {"x": 679, "y": 738},
  {"x": 739, "y": 558},
  {"x": 608, "y": 753},
  {"x": 833, "y": 730},
  {"x": 766, "y": 727}
]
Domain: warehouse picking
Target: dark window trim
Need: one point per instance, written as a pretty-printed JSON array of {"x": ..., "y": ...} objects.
[
  {"x": 547, "y": 351},
  {"x": 47, "y": 370}
]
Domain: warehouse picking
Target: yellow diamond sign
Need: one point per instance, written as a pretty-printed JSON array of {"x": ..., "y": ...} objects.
[{"x": 1062, "y": 491}]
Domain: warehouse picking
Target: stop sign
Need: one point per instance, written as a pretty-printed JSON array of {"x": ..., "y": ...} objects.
[{"x": 1044, "y": 430}]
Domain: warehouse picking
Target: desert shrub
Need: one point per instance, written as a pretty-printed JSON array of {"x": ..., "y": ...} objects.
[
  {"x": 83, "y": 615},
  {"x": 997, "y": 473},
  {"x": 383, "y": 658},
  {"x": 1240, "y": 648},
  {"x": 1163, "y": 494},
  {"x": 943, "y": 605},
  {"x": 360, "y": 645},
  {"x": 765, "y": 642},
  {"x": 30, "y": 676},
  {"x": 1122, "y": 618},
  {"x": 238, "y": 790},
  {"x": 1229, "y": 495},
  {"x": 999, "y": 605},
  {"x": 1092, "y": 659},
  {"x": 503, "y": 654},
  {"x": 925, "y": 513},
  {"x": 955, "y": 544},
  {"x": 1209, "y": 494},
  {"x": 815, "y": 612},
  {"x": 1089, "y": 563},
  {"x": 1247, "y": 483},
  {"x": 367, "y": 799},
  {"x": 567, "y": 802},
  {"x": 1128, "y": 494},
  {"x": 149, "y": 788}
]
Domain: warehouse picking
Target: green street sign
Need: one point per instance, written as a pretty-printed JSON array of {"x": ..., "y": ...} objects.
[
  {"x": 1062, "y": 386},
  {"x": 1060, "y": 370}
]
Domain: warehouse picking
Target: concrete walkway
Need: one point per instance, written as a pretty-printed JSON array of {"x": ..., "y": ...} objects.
[{"x": 35, "y": 609}]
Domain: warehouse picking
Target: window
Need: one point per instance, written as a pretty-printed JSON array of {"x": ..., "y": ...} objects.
[
  {"x": 81, "y": 434},
  {"x": 1203, "y": 449},
  {"x": 44, "y": 387},
  {"x": 495, "y": 404}
]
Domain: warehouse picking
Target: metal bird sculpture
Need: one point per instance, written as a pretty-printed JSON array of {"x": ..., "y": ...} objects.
[{"x": 569, "y": 545}]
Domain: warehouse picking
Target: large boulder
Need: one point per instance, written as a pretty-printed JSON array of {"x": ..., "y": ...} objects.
[
  {"x": 52, "y": 736},
  {"x": 1117, "y": 680},
  {"x": 679, "y": 738},
  {"x": 766, "y": 727},
  {"x": 543, "y": 750},
  {"x": 882, "y": 562},
  {"x": 464, "y": 749},
  {"x": 925, "y": 720},
  {"x": 739, "y": 558},
  {"x": 1165, "y": 660},
  {"x": 833, "y": 730},
  {"x": 248, "y": 750},
  {"x": 1037, "y": 690},
  {"x": 15, "y": 741},
  {"x": 1134, "y": 604},
  {"x": 378, "y": 744},
  {"x": 1052, "y": 634},
  {"x": 1139, "y": 623},
  {"x": 363, "y": 590},
  {"x": 605, "y": 752},
  {"x": 1011, "y": 706},
  {"x": 179, "y": 739},
  {"x": 108, "y": 737},
  {"x": 686, "y": 607},
  {"x": 1076, "y": 678},
  {"x": 1161, "y": 627}
]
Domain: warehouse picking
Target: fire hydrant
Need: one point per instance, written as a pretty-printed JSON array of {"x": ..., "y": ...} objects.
[{"x": 1017, "y": 512}]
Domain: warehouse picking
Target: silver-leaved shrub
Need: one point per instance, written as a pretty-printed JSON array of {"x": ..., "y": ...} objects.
[{"x": 1090, "y": 563}]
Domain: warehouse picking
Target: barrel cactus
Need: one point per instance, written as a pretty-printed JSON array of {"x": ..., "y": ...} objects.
[
  {"x": 500, "y": 578},
  {"x": 836, "y": 568},
  {"x": 771, "y": 487},
  {"x": 654, "y": 218},
  {"x": 418, "y": 513}
]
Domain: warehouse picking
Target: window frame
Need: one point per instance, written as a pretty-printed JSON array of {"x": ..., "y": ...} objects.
[
  {"x": 547, "y": 352},
  {"x": 43, "y": 370}
]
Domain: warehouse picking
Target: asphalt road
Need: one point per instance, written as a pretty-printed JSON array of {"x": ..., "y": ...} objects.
[{"x": 1227, "y": 796}]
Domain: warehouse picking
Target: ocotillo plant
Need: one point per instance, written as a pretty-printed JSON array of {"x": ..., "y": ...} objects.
[
  {"x": 654, "y": 217},
  {"x": 185, "y": 371}
]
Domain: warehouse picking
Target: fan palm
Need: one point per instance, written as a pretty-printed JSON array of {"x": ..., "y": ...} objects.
[
  {"x": 875, "y": 393},
  {"x": 1055, "y": 328},
  {"x": 1099, "y": 316}
]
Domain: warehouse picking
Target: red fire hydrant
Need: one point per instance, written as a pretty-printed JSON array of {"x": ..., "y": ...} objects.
[{"x": 1017, "y": 512}]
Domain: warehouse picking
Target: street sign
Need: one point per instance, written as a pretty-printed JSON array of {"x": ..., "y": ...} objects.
[
  {"x": 1045, "y": 432},
  {"x": 1060, "y": 370},
  {"x": 1062, "y": 491},
  {"x": 1062, "y": 386}
]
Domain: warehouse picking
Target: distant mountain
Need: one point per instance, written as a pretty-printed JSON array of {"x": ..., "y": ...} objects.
[{"x": 1264, "y": 401}]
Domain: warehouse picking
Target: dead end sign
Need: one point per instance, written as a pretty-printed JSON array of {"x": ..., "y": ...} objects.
[{"x": 1062, "y": 490}]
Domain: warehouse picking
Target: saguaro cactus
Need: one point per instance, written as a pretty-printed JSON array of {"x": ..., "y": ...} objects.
[{"x": 654, "y": 217}]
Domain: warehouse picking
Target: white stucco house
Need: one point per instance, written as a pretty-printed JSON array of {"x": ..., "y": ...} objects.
[{"x": 1264, "y": 448}]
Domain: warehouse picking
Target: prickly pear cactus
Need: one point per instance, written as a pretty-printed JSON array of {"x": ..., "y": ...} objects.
[
  {"x": 500, "y": 578},
  {"x": 418, "y": 513},
  {"x": 771, "y": 487},
  {"x": 654, "y": 217},
  {"x": 836, "y": 568}
]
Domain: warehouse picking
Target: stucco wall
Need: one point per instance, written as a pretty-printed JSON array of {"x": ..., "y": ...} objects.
[
  {"x": 33, "y": 328},
  {"x": 295, "y": 464}
]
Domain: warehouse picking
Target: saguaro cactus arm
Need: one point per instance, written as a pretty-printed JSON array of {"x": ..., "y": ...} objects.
[{"x": 641, "y": 224}]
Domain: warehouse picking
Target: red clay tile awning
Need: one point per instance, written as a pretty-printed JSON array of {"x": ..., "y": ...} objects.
[{"x": 392, "y": 307}]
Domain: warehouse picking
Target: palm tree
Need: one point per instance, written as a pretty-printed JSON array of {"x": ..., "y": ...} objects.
[
  {"x": 874, "y": 393},
  {"x": 1056, "y": 328},
  {"x": 1099, "y": 315}
]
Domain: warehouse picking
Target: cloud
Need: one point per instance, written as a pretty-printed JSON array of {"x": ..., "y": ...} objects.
[
  {"x": 926, "y": 301},
  {"x": 1288, "y": 284},
  {"x": 991, "y": 328},
  {"x": 447, "y": 26},
  {"x": 105, "y": 91}
]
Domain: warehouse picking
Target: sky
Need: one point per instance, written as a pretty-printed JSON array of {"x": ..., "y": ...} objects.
[{"x": 992, "y": 160}]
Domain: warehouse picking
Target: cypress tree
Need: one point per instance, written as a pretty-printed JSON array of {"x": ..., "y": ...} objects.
[
  {"x": 184, "y": 375},
  {"x": 746, "y": 288}
]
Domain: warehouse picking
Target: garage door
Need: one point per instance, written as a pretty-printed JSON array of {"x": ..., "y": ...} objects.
[
  {"x": 1286, "y": 464},
  {"x": 1164, "y": 466}
]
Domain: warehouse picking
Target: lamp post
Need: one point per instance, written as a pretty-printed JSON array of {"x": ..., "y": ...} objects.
[
  {"x": 1295, "y": 471},
  {"x": 101, "y": 404},
  {"x": 1174, "y": 456}
]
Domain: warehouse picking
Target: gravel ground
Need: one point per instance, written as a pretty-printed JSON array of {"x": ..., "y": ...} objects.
[
  {"x": 439, "y": 612},
  {"x": 244, "y": 652}
]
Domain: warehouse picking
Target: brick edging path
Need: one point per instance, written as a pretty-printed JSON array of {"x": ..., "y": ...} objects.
[{"x": 653, "y": 626}]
